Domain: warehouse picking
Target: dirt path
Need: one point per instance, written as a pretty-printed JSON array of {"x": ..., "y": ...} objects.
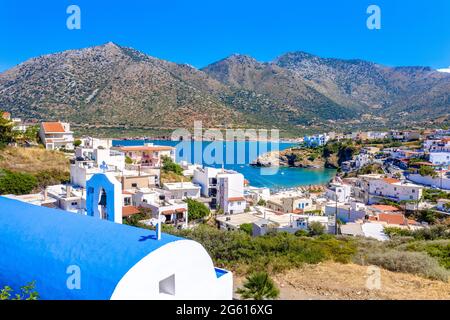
[{"x": 338, "y": 281}]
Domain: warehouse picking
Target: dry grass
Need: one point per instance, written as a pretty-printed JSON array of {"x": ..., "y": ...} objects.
[
  {"x": 33, "y": 160},
  {"x": 172, "y": 177},
  {"x": 335, "y": 281}
]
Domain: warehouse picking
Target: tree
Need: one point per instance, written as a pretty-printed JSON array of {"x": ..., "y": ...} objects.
[
  {"x": 7, "y": 134},
  {"x": 170, "y": 166},
  {"x": 261, "y": 202},
  {"x": 196, "y": 210},
  {"x": 128, "y": 160},
  {"x": 77, "y": 143},
  {"x": 316, "y": 228},
  {"x": 427, "y": 171},
  {"x": 31, "y": 133},
  {"x": 16, "y": 183},
  {"x": 259, "y": 286},
  {"x": 247, "y": 228},
  {"x": 26, "y": 293}
]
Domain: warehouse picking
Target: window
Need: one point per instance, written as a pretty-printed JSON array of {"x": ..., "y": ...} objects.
[
  {"x": 127, "y": 201},
  {"x": 134, "y": 185},
  {"x": 167, "y": 285},
  {"x": 185, "y": 194},
  {"x": 239, "y": 203},
  {"x": 74, "y": 204},
  {"x": 413, "y": 190}
]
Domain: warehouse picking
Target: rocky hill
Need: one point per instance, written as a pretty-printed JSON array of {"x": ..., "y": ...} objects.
[{"x": 110, "y": 85}]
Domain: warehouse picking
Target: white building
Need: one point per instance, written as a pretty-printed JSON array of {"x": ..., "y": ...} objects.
[
  {"x": 56, "y": 135},
  {"x": 172, "y": 211},
  {"x": 443, "y": 205},
  {"x": 440, "y": 158},
  {"x": 113, "y": 159},
  {"x": 339, "y": 192},
  {"x": 224, "y": 187},
  {"x": 255, "y": 194},
  {"x": 378, "y": 187},
  {"x": 372, "y": 135},
  {"x": 346, "y": 212},
  {"x": 315, "y": 140},
  {"x": 437, "y": 145},
  {"x": 148, "y": 155},
  {"x": 182, "y": 190}
]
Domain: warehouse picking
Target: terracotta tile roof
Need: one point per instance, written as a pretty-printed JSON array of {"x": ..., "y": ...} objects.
[
  {"x": 147, "y": 148},
  {"x": 383, "y": 207},
  {"x": 236, "y": 199},
  {"x": 50, "y": 127},
  {"x": 412, "y": 222},
  {"x": 167, "y": 212},
  {"x": 391, "y": 180},
  {"x": 129, "y": 211},
  {"x": 392, "y": 218},
  {"x": 180, "y": 210},
  {"x": 6, "y": 115},
  {"x": 298, "y": 211},
  {"x": 127, "y": 192}
]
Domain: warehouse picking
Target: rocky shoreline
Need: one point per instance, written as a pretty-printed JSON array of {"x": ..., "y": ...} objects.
[{"x": 295, "y": 158}]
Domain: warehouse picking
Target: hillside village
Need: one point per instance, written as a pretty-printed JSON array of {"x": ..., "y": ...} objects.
[{"x": 387, "y": 184}]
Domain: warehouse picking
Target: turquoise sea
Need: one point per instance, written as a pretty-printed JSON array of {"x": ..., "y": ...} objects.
[{"x": 238, "y": 156}]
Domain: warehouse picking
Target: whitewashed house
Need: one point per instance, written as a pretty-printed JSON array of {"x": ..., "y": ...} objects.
[
  {"x": 225, "y": 188},
  {"x": 182, "y": 190},
  {"x": 56, "y": 135},
  {"x": 440, "y": 158}
]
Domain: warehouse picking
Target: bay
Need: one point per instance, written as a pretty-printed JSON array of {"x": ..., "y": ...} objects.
[{"x": 237, "y": 155}]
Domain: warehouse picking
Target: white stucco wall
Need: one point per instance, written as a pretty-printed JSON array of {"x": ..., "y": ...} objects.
[{"x": 193, "y": 270}]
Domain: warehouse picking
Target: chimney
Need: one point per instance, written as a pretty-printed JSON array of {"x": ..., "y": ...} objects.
[
  {"x": 45, "y": 194},
  {"x": 68, "y": 191}
]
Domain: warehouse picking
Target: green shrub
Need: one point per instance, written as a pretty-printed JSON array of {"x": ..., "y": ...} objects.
[
  {"x": 259, "y": 286},
  {"x": 316, "y": 228},
  {"x": 170, "y": 166},
  {"x": 276, "y": 252},
  {"x": 247, "y": 228},
  {"x": 26, "y": 293},
  {"x": 77, "y": 143},
  {"x": 431, "y": 233},
  {"x": 128, "y": 160},
  {"x": 16, "y": 183},
  {"x": 196, "y": 210},
  {"x": 301, "y": 233},
  {"x": 51, "y": 177},
  {"x": 438, "y": 249},
  {"x": 412, "y": 262}
]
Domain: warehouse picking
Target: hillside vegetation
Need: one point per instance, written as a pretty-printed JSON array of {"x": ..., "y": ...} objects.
[
  {"x": 110, "y": 87},
  {"x": 24, "y": 170}
]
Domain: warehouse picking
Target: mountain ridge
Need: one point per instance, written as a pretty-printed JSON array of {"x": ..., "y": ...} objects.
[{"x": 115, "y": 85}]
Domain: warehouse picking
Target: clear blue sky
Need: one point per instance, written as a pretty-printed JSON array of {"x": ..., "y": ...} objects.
[{"x": 414, "y": 32}]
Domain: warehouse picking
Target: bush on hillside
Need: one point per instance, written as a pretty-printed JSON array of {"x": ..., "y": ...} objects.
[
  {"x": 411, "y": 262},
  {"x": 196, "y": 210},
  {"x": 51, "y": 177},
  {"x": 170, "y": 166},
  {"x": 16, "y": 183}
]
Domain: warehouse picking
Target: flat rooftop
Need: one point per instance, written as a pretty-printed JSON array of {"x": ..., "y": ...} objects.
[{"x": 180, "y": 186}]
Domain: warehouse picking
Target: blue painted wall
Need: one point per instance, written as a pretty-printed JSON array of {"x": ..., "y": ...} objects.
[{"x": 39, "y": 244}]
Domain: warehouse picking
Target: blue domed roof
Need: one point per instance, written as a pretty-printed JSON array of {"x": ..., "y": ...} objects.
[{"x": 39, "y": 244}]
